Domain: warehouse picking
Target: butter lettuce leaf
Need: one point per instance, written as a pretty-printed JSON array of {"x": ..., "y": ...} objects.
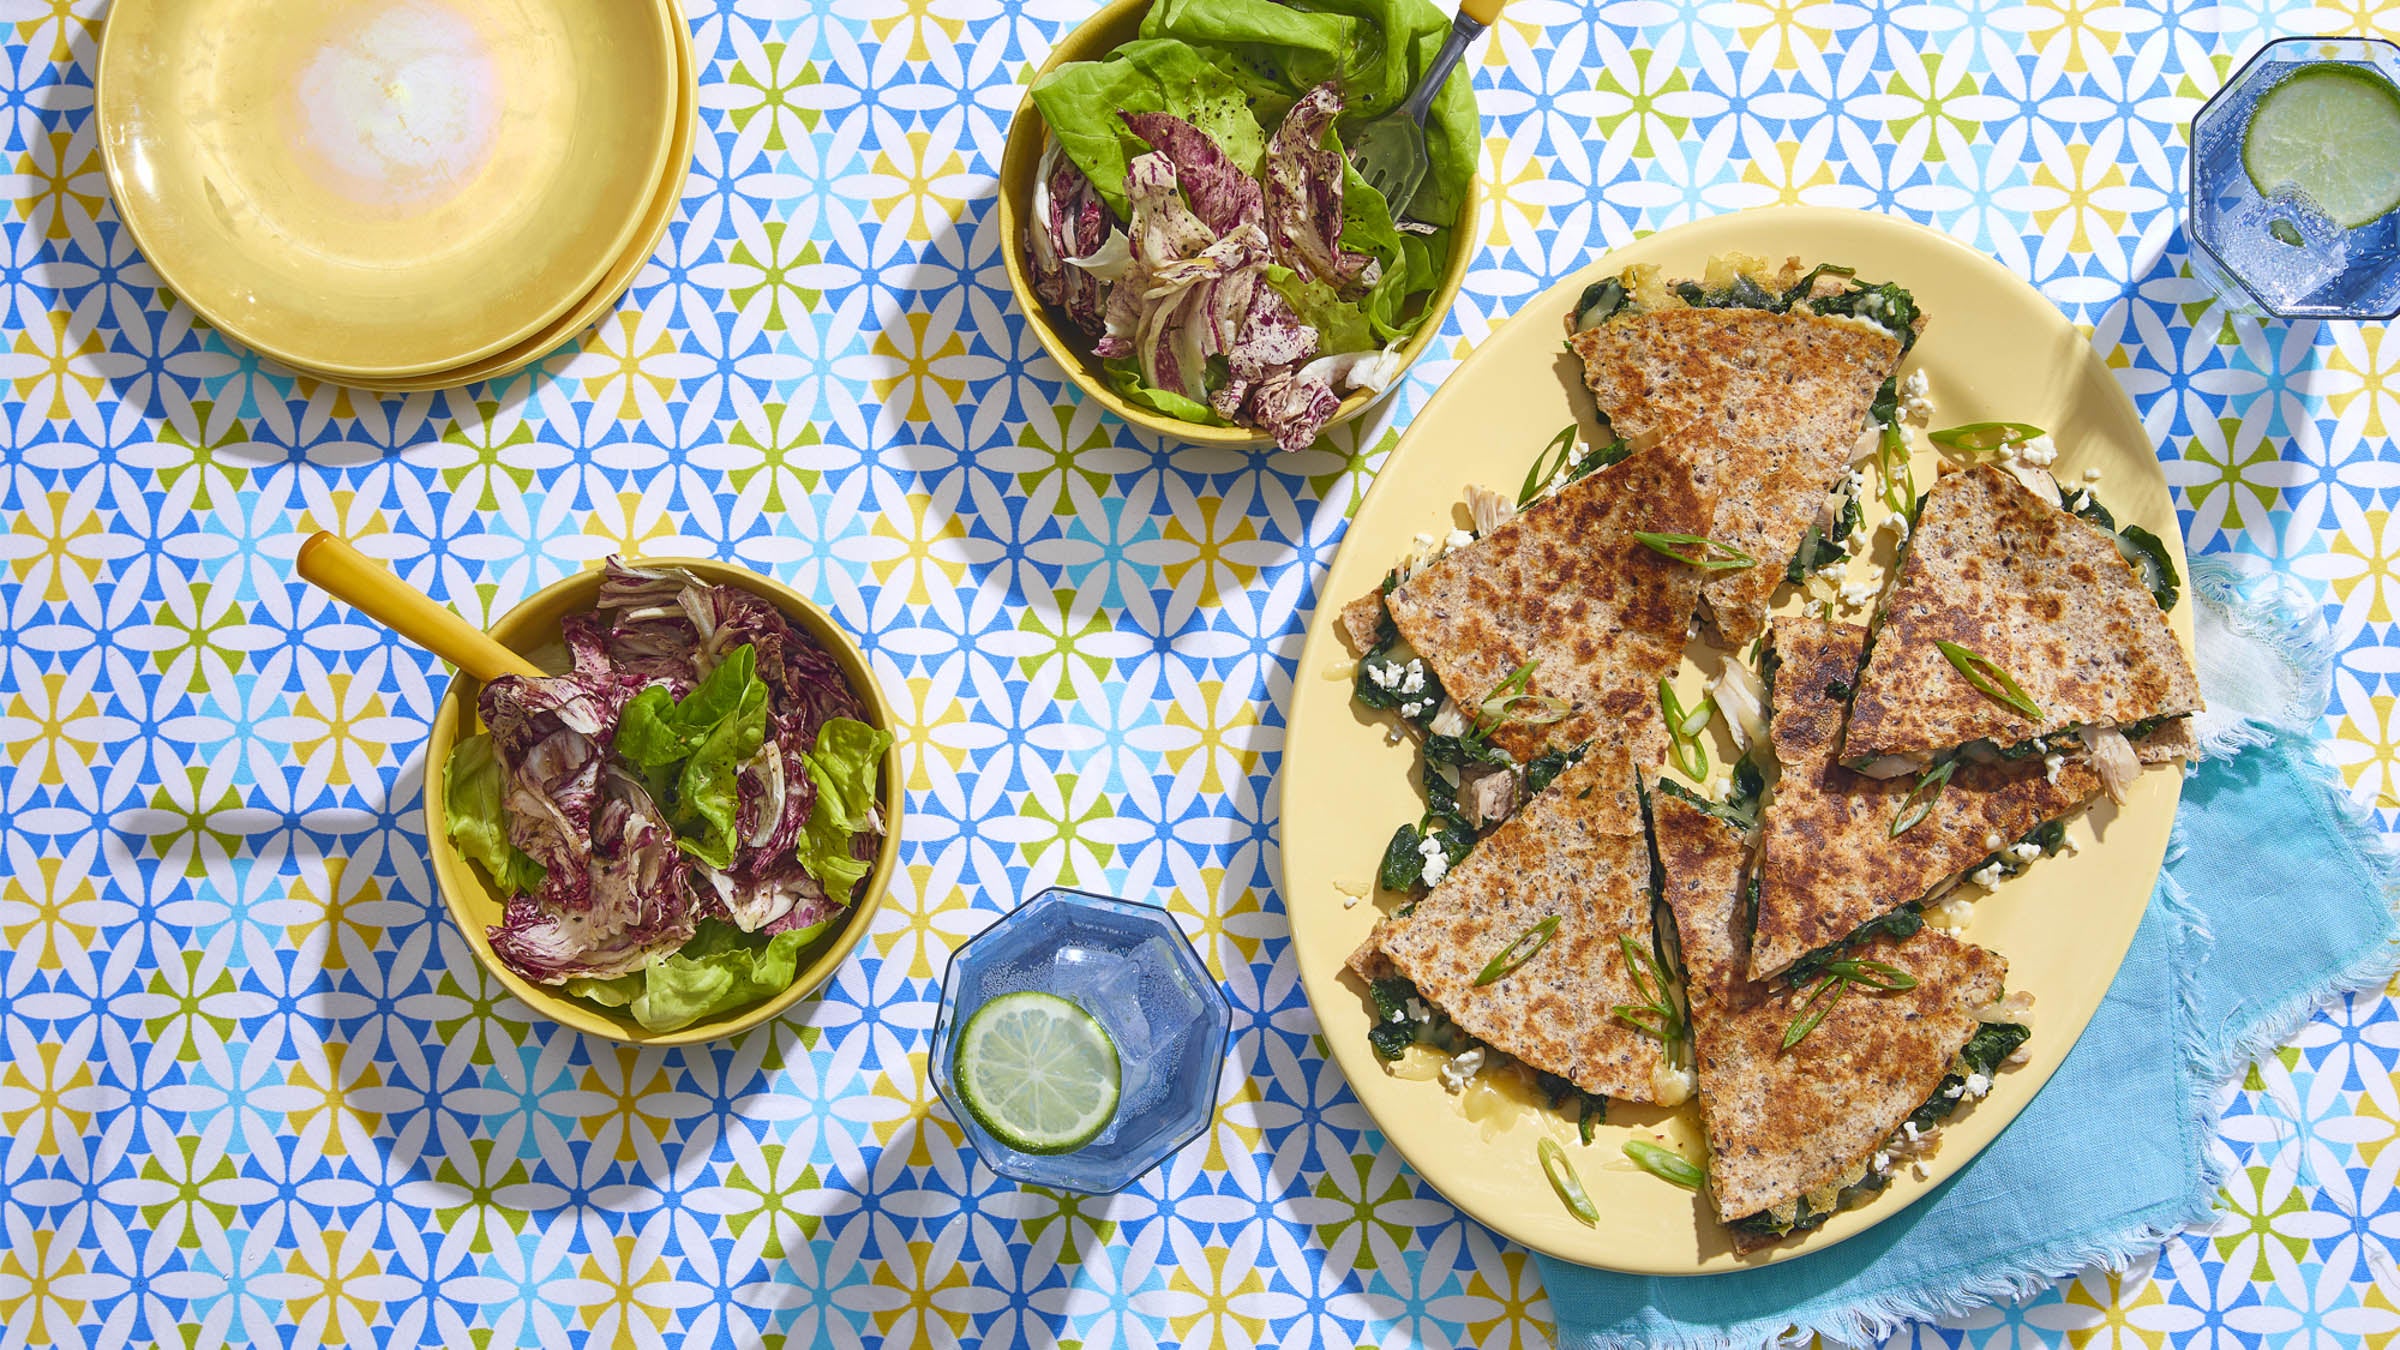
[
  {"x": 720, "y": 970},
  {"x": 472, "y": 794},
  {"x": 843, "y": 767}
]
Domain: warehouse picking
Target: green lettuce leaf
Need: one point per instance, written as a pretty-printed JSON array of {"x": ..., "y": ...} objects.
[
  {"x": 478, "y": 824},
  {"x": 1125, "y": 374},
  {"x": 1080, "y": 102},
  {"x": 709, "y": 790},
  {"x": 843, "y": 767},
  {"x": 657, "y": 730},
  {"x": 721, "y": 969},
  {"x": 1341, "y": 325},
  {"x": 710, "y": 732}
]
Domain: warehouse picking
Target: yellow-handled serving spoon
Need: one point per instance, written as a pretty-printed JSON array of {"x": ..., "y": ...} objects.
[
  {"x": 1390, "y": 151},
  {"x": 329, "y": 562}
]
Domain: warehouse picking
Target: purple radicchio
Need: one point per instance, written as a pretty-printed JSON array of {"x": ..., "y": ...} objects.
[
  {"x": 1074, "y": 243},
  {"x": 1221, "y": 194},
  {"x": 637, "y": 910},
  {"x": 1304, "y": 195},
  {"x": 551, "y": 736}
]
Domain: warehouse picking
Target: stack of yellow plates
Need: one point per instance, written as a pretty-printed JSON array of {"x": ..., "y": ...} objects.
[{"x": 397, "y": 194}]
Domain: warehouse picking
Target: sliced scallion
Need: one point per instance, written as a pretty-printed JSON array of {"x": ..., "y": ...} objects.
[
  {"x": 1696, "y": 551},
  {"x": 1993, "y": 682},
  {"x": 1918, "y": 804},
  {"x": 1827, "y": 993},
  {"x": 1553, "y": 460},
  {"x": 1563, "y": 1180},
  {"x": 1978, "y": 438},
  {"x": 1873, "y": 975},
  {"x": 1517, "y": 953},
  {"x": 1665, "y": 1164}
]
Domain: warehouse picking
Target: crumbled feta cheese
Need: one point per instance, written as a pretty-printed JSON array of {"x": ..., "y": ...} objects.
[
  {"x": 1897, "y": 524},
  {"x": 2024, "y": 852},
  {"x": 1414, "y": 708},
  {"x": 1350, "y": 902},
  {"x": 1412, "y": 681},
  {"x": 2070, "y": 845},
  {"x": 1459, "y": 539},
  {"x": 1418, "y": 1011},
  {"x": 2051, "y": 765},
  {"x": 2091, "y": 476},
  {"x": 1916, "y": 401},
  {"x": 2039, "y": 453},
  {"x": 1978, "y": 1085},
  {"x": 1986, "y": 877},
  {"x": 1950, "y": 915},
  {"x": 2023, "y": 1054},
  {"x": 1858, "y": 482},
  {"x": 1856, "y": 543},
  {"x": 1992, "y": 841},
  {"x": 1672, "y": 1085},
  {"x": 1882, "y": 1163},
  {"x": 1460, "y": 1069},
  {"x": 1384, "y": 676},
  {"x": 1859, "y": 594},
  {"x": 1449, "y": 721},
  {"x": 1954, "y": 1091},
  {"x": 1437, "y": 862},
  {"x": 1917, "y": 1170}
]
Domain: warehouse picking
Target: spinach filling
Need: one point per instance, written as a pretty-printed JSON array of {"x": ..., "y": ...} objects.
[
  {"x": 2049, "y": 837},
  {"x": 1740, "y": 807},
  {"x": 1901, "y": 923},
  {"x": 1983, "y": 1053},
  {"x": 1819, "y": 548},
  {"x": 1403, "y": 1019},
  {"x": 1591, "y": 1108}
]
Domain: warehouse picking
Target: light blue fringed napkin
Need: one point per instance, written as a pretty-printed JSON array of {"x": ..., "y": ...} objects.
[{"x": 2276, "y": 897}]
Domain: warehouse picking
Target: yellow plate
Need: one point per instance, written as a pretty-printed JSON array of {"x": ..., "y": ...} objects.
[
  {"x": 532, "y": 628},
  {"x": 1994, "y": 349},
  {"x": 384, "y": 187},
  {"x": 665, "y": 201},
  {"x": 1091, "y": 40}
]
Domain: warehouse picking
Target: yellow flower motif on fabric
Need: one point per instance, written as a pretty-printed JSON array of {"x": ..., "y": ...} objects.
[
  {"x": 1519, "y": 191},
  {"x": 920, "y": 19},
  {"x": 349, "y": 757},
  {"x": 1518, "y": 1289},
  {"x": 921, "y": 173},
  {"x": 2230, "y": 470},
  {"x": 31, "y": 1274},
  {"x": 1216, "y": 728},
  {"x": 1068, "y": 831},
  {"x": 1208, "y": 537},
  {"x": 57, "y": 535},
  {"x": 628, "y": 521},
  {"x": 910, "y": 1090},
  {"x": 929, "y": 556},
  {"x": 634, "y": 1091},
  {"x": 1348, "y": 483},
  {"x": 202, "y": 458},
  {"x": 1053, "y": 434},
  {"x": 61, "y": 361},
  {"x": 2082, "y": 181},
  {"x": 325, "y": 1096},
  {"x": 189, "y": 828},
  {"x": 630, "y": 364},
  {"x": 937, "y": 727},
  {"x": 2091, "y": 29},
  {"x": 1783, "y": 23},
  {"x": 2363, "y": 372},
  {"x": 1213, "y": 911},
  {"x": 1218, "y": 1284},
  {"x": 46, "y": 715},
  {"x": 493, "y": 455},
  {"x": 34, "y": 910},
  {"x": 42, "y": 1095},
  {"x": 72, "y": 183},
  {"x": 2106, "y": 1309},
  {"x": 927, "y": 1286},
  {"x": 771, "y": 95},
  {"x": 1063, "y": 639},
  {"x": 333, "y": 912},
  {"x": 916, "y": 941},
  {"x": 913, "y": 357},
  {"x": 68, "y": 22},
  {"x": 2370, "y": 559},
  {"x": 1786, "y": 175},
  {"x": 2367, "y": 749},
  {"x": 2249, "y": 1217},
  {"x": 1237, "y": 1115},
  {"x": 623, "y": 1272}
]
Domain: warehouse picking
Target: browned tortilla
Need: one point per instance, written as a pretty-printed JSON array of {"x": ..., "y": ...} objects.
[
  {"x": 1828, "y": 861},
  {"x": 1578, "y": 852},
  {"x": 1783, "y": 396},
  {"x": 2038, "y": 591},
  {"x": 1782, "y": 1123},
  {"x": 1565, "y": 584}
]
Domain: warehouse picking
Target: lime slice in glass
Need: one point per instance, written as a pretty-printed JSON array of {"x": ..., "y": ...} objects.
[
  {"x": 2333, "y": 132},
  {"x": 1038, "y": 1072}
]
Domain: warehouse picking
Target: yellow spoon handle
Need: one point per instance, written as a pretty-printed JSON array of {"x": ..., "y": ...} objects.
[
  {"x": 1485, "y": 12},
  {"x": 328, "y": 561}
]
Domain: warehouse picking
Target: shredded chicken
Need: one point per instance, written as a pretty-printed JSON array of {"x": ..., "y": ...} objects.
[
  {"x": 2037, "y": 480},
  {"x": 1743, "y": 700},
  {"x": 1869, "y": 441},
  {"x": 1489, "y": 799},
  {"x": 2113, "y": 756},
  {"x": 1829, "y": 511},
  {"x": 1448, "y": 720},
  {"x": 1490, "y": 510},
  {"x": 2017, "y": 1008},
  {"x": 1890, "y": 766}
]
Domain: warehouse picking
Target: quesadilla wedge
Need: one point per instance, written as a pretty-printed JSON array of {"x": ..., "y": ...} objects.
[
  {"x": 1830, "y": 861},
  {"x": 1574, "y": 864},
  {"x": 1779, "y": 372},
  {"x": 2015, "y": 623},
  {"x": 1562, "y": 604},
  {"x": 1800, "y": 1130}
]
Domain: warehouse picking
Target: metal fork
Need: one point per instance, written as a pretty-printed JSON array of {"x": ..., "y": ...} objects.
[{"x": 1390, "y": 151}]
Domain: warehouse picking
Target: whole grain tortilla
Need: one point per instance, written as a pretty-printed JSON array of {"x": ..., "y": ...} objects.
[
  {"x": 1782, "y": 1123},
  {"x": 1566, "y": 585},
  {"x": 2036, "y": 590},
  {"x": 1828, "y": 861},
  {"x": 1782, "y": 398},
  {"x": 1578, "y": 852}
]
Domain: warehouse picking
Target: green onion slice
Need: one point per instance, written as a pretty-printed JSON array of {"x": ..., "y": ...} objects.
[
  {"x": 1828, "y": 992},
  {"x": 1665, "y": 1164},
  {"x": 1562, "y": 1180},
  {"x": 1995, "y": 684},
  {"x": 1918, "y": 804},
  {"x": 1657, "y": 1013},
  {"x": 1874, "y": 975},
  {"x": 1683, "y": 730},
  {"x": 1979, "y": 438},
  {"x": 1517, "y": 953},
  {"x": 1557, "y": 455},
  {"x": 1697, "y": 551},
  {"x": 1538, "y": 710},
  {"x": 1899, "y": 477}
]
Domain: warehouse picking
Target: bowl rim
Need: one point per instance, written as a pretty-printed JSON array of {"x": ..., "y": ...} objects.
[
  {"x": 556, "y": 1005},
  {"x": 1021, "y": 154}
]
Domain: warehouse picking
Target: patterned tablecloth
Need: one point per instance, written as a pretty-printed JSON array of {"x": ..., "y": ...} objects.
[{"x": 254, "y": 1088}]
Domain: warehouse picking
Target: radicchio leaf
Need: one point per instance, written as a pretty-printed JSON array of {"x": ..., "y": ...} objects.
[
  {"x": 1221, "y": 194},
  {"x": 1304, "y": 195},
  {"x": 1293, "y": 410},
  {"x": 637, "y": 910}
]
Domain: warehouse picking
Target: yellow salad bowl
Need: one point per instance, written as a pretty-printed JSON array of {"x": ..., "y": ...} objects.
[
  {"x": 1020, "y": 159},
  {"x": 532, "y": 628}
]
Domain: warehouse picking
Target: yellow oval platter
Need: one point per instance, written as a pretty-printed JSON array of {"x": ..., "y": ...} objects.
[{"x": 1993, "y": 349}]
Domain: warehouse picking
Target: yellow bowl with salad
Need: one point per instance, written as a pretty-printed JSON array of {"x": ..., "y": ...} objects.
[
  {"x": 1230, "y": 100},
  {"x": 686, "y": 830}
]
